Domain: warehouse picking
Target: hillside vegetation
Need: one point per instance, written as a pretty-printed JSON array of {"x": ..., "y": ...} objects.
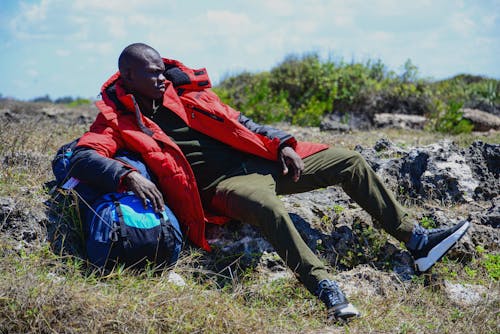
[
  {"x": 48, "y": 287},
  {"x": 302, "y": 89}
]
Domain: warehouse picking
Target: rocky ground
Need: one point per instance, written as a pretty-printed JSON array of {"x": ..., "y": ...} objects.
[{"x": 439, "y": 182}]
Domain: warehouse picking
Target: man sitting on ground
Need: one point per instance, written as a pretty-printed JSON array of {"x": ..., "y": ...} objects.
[{"x": 207, "y": 157}]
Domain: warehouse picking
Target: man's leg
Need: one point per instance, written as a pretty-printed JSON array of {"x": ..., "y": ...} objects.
[
  {"x": 360, "y": 182},
  {"x": 350, "y": 170},
  {"x": 252, "y": 199}
]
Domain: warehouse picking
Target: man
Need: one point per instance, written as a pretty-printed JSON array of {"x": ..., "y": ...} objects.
[{"x": 208, "y": 157}]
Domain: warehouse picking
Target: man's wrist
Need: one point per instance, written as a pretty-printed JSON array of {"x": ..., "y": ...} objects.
[
  {"x": 290, "y": 142},
  {"x": 125, "y": 180}
]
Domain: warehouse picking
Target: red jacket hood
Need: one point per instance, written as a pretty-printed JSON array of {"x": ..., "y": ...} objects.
[{"x": 113, "y": 92}]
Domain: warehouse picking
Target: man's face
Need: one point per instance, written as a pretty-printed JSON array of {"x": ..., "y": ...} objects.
[{"x": 146, "y": 78}]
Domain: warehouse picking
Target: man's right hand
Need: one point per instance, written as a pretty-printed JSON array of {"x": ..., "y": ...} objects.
[{"x": 144, "y": 189}]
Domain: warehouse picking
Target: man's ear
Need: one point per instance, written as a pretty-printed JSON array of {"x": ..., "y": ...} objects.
[{"x": 126, "y": 74}]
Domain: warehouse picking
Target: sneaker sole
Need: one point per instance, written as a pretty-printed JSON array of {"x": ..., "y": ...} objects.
[
  {"x": 435, "y": 254},
  {"x": 345, "y": 314}
]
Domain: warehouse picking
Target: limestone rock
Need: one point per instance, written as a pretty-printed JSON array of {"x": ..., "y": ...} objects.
[
  {"x": 482, "y": 121},
  {"x": 467, "y": 294},
  {"x": 343, "y": 122},
  {"x": 440, "y": 171},
  {"x": 401, "y": 121}
]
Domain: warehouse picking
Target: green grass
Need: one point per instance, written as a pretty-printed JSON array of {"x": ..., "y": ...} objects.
[
  {"x": 46, "y": 289},
  {"x": 428, "y": 223},
  {"x": 43, "y": 292}
]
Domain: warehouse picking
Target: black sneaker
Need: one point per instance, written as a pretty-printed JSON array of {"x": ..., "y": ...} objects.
[
  {"x": 439, "y": 242},
  {"x": 336, "y": 302}
]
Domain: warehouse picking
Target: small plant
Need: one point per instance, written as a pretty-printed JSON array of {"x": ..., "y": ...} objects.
[
  {"x": 452, "y": 120},
  {"x": 427, "y": 222},
  {"x": 319, "y": 245},
  {"x": 338, "y": 209},
  {"x": 492, "y": 265},
  {"x": 471, "y": 272},
  {"x": 326, "y": 220}
]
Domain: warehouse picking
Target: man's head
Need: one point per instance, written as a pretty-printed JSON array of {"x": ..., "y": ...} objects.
[{"x": 141, "y": 69}]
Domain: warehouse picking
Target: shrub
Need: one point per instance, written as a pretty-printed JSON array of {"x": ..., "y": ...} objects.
[
  {"x": 253, "y": 95},
  {"x": 302, "y": 89},
  {"x": 452, "y": 121}
]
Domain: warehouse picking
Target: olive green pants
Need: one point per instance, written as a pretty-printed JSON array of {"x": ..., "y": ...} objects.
[{"x": 250, "y": 196}]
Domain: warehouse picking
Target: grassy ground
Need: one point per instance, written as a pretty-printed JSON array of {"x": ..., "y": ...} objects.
[{"x": 45, "y": 292}]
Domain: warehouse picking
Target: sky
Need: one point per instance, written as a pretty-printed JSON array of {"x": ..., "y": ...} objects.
[{"x": 70, "y": 47}]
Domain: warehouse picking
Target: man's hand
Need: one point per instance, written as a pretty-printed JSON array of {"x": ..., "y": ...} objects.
[
  {"x": 290, "y": 160},
  {"x": 144, "y": 189}
]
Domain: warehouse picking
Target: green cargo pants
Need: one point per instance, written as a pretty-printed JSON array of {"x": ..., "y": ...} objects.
[{"x": 250, "y": 196}]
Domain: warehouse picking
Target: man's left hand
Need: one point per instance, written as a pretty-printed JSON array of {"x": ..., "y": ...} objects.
[{"x": 290, "y": 160}]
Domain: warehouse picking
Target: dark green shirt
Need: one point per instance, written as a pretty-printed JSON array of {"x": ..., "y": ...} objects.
[{"x": 211, "y": 160}]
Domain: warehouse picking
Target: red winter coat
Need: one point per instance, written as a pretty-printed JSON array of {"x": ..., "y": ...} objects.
[{"x": 125, "y": 127}]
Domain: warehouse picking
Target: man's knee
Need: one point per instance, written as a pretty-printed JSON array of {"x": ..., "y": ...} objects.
[
  {"x": 255, "y": 203},
  {"x": 355, "y": 165},
  {"x": 356, "y": 159},
  {"x": 269, "y": 204}
]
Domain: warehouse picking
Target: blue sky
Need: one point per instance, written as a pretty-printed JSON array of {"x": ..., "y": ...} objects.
[{"x": 62, "y": 48}]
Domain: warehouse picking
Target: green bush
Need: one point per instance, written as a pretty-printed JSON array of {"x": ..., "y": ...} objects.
[
  {"x": 79, "y": 102},
  {"x": 253, "y": 95},
  {"x": 452, "y": 121},
  {"x": 303, "y": 89}
]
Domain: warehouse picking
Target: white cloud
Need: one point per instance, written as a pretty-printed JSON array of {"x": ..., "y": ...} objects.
[
  {"x": 342, "y": 21},
  {"x": 489, "y": 21},
  {"x": 36, "y": 21},
  {"x": 462, "y": 24},
  {"x": 278, "y": 7},
  {"x": 116, "y": 26},
  {"x": 378, "y": 37},
  {"x": 102, "y": 48},
  {"x": 304, "y": 27},
  {"x": 118, "y": 6},
  {"x": 33, "y": 73},
  {"x": 63, "y": 52},
  {"x": 226, "y": 36},
  {"x": 227, "y": 19},
  {"x": 34, "y": 12}
]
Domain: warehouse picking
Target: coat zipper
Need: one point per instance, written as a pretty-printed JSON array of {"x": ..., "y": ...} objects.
[{"x": 206, "y": 113}]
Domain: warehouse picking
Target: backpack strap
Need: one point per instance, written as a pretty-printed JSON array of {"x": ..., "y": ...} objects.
[
  {"x": 167, "y": 226},
  {"x": 121, "y": 221}
]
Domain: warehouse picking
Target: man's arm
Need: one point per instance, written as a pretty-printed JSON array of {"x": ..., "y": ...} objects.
[
  {"x": 96, "y": 170},
  {"x": 287, "y": 156},
  {"x": 286, "y": 139},
  {"x": 109, "y": 175}
]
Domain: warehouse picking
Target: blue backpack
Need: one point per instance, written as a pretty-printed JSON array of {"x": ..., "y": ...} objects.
[
  {"x": 121, "y": 230},
  {"x": 117, "y": 227}
]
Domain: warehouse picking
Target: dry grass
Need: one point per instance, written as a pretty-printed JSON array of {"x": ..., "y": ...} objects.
[{"x": 41, "y": 292}]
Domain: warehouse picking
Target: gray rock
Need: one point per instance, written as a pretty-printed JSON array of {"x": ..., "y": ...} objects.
[
  {"x": 22, "y": 223},
  {"x": 345, "y": 121},
  {"x": 368, "y": 281},
  {"x": 438, "y": 171},
  {"x": 400, "y": 121},
  {"x": 482, "y": 121},
  {"x": 447, "y": 174},
  {"x": 466, "y": 295},
  {"x": 484, "y": 160}
]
